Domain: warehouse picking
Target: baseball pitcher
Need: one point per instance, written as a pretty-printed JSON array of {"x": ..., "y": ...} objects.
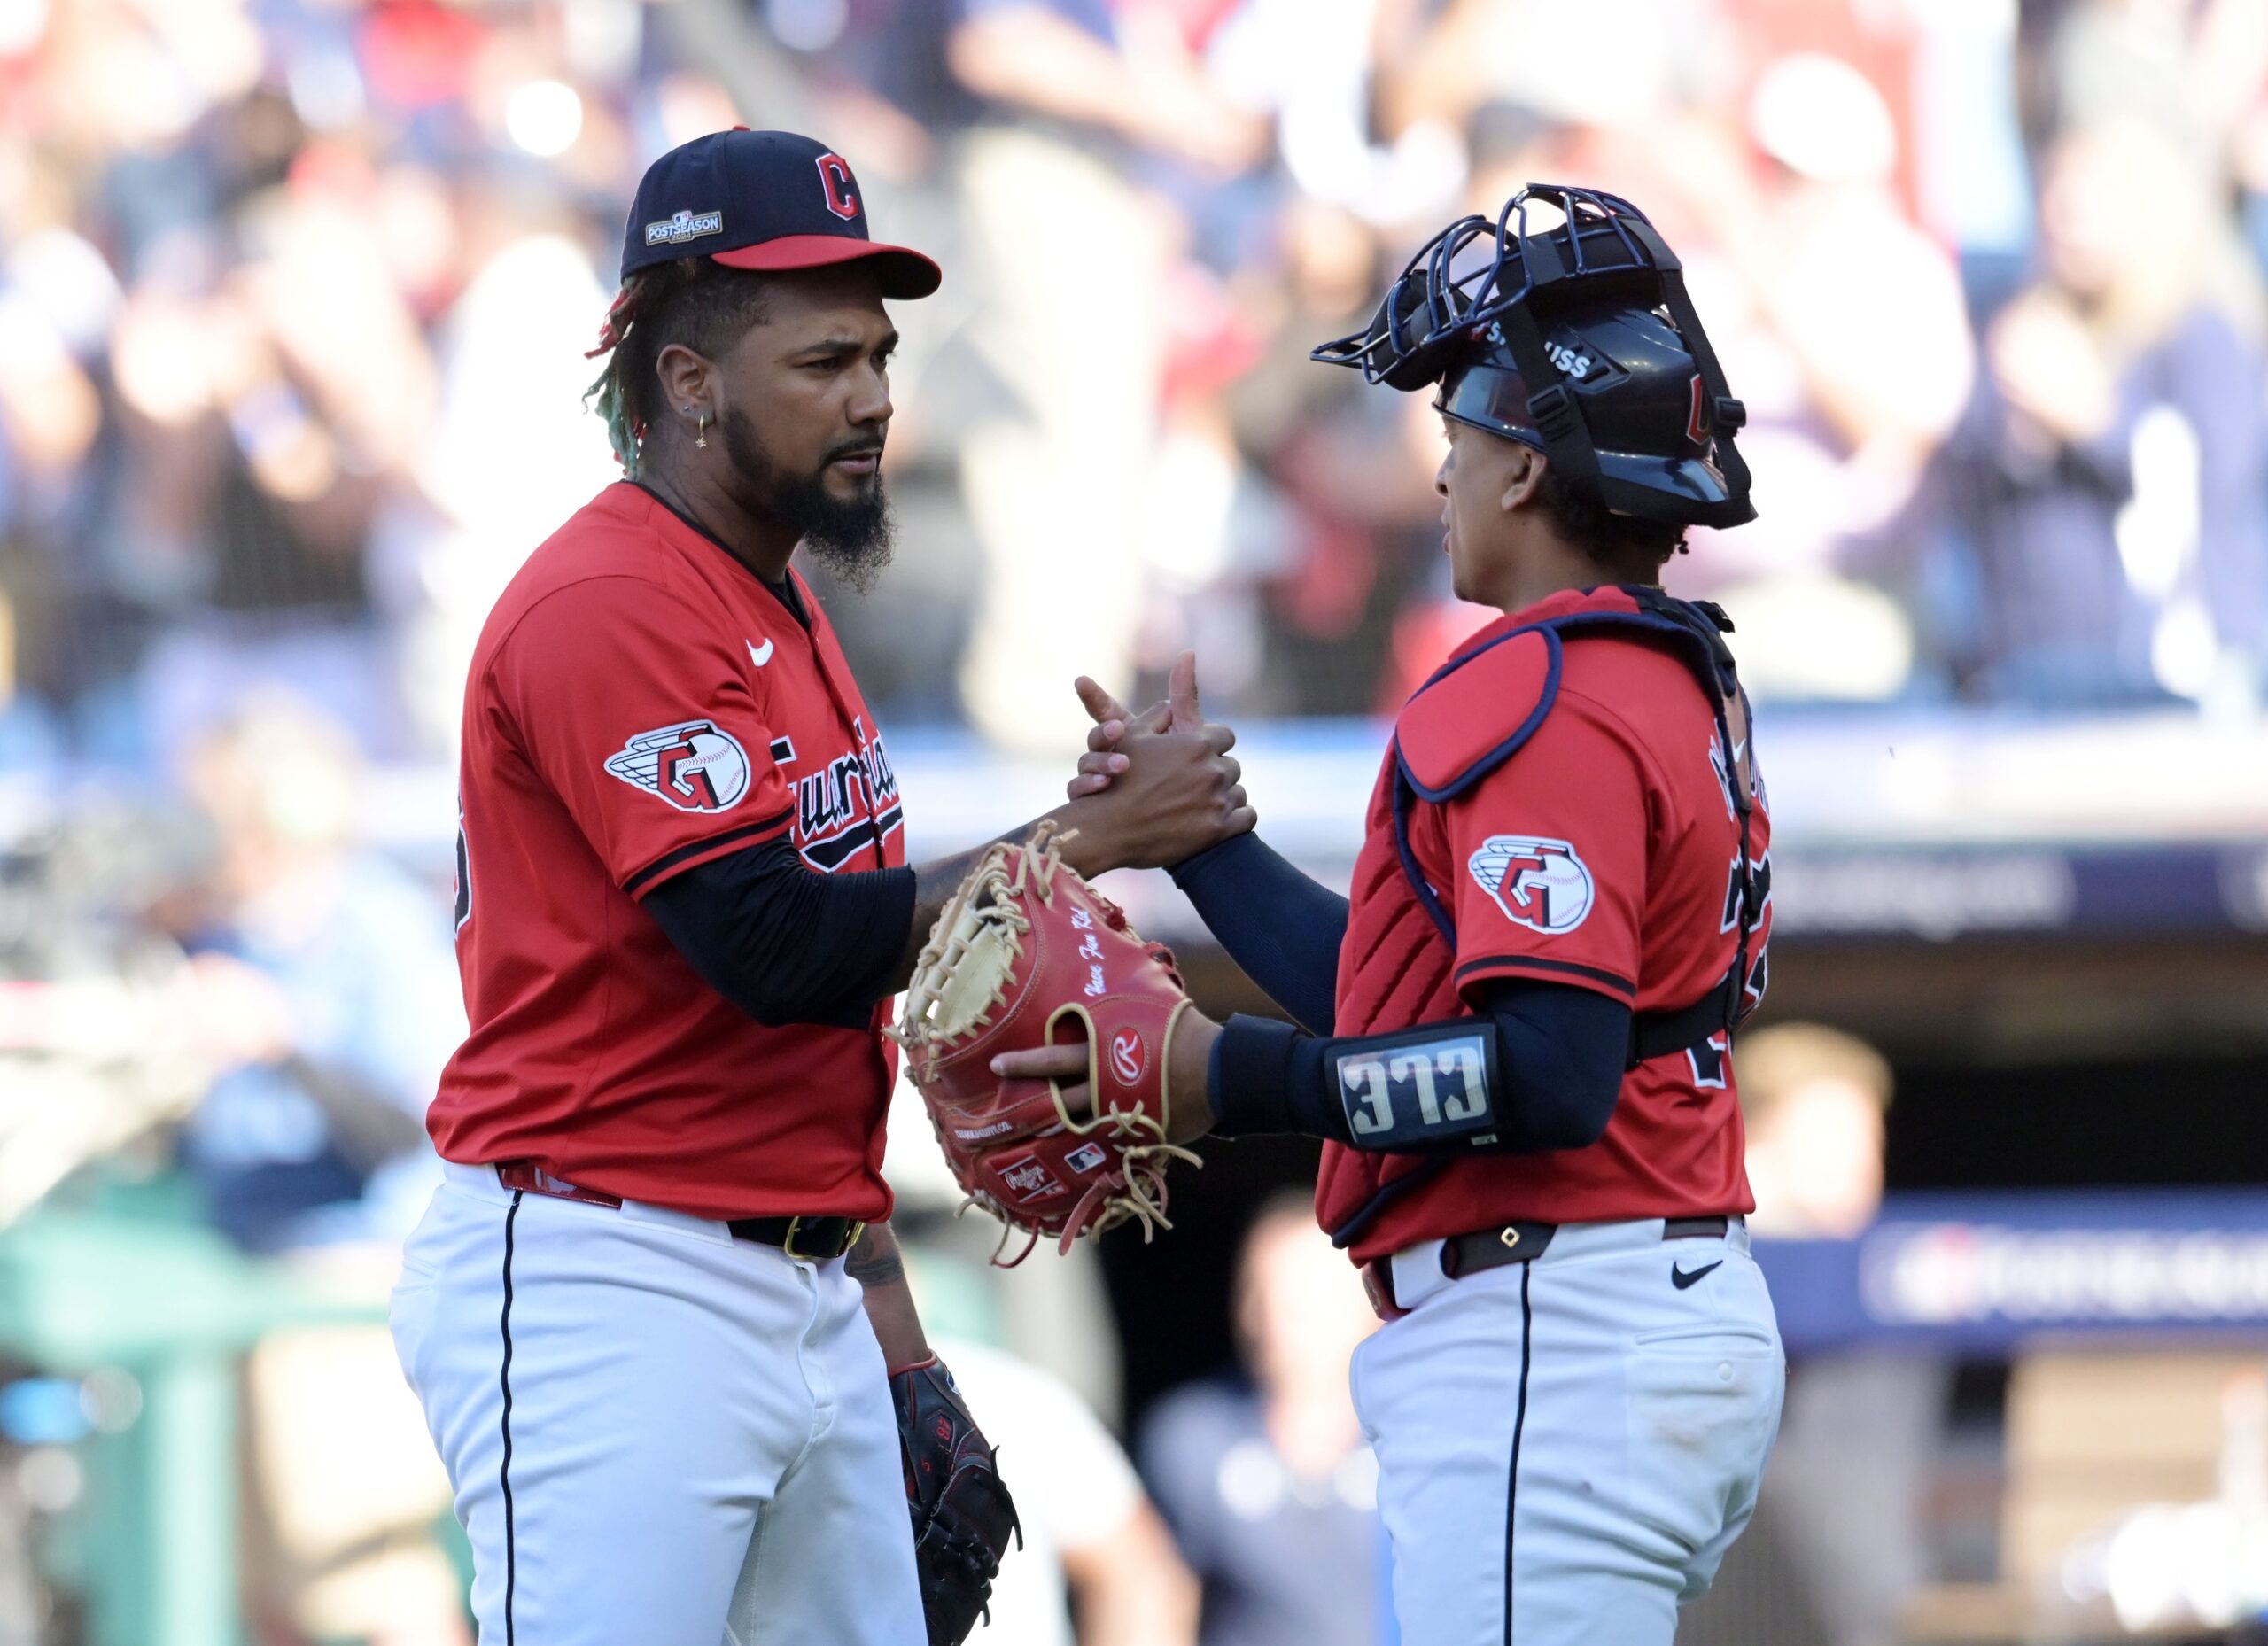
[{"x": 654, "y": 1316}]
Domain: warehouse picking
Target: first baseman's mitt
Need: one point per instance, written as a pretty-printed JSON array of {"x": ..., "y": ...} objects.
[
  {"x": 963, "y": 1516},
  {"x": 1027, "y": 953}
]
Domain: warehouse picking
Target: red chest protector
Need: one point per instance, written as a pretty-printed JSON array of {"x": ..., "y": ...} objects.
[{"x": 1393, "y": 971}]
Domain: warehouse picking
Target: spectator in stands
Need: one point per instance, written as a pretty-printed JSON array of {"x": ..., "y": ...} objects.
[
  {"x": 273, "y": 413},
  {"x": 2109, "y": 476},
  {"x": 1842, "y": 417},
  {"x": 1098, "y": 1566},
  {"x": 1071, "y": 258},
  {"x": 1813, "y": 1101},
  {"x": 1095, "y": 1553},
  {"x": 333, "y": 974},
  {"x": 1269, "y": 1486}
]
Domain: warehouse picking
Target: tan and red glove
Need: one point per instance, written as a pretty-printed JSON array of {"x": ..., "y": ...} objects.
[{"x": 1027, "y": 954}]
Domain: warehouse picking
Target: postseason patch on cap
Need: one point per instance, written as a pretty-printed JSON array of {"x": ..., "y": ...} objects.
[{"x": 683, "y": 227}]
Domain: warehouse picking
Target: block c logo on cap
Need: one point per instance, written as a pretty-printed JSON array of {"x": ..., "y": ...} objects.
[{"x": 842, "y": 188}]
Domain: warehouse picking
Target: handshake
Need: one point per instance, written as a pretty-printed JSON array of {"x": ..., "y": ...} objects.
[
  {"x": 1060, "y": 1060},
  {"x": 1152, "y": 789}
]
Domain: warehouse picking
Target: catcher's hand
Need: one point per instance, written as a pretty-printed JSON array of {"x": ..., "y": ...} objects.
[
  {"x": 1027, "y": 954},
  {"x": 1065, "y": 1067},
  {"x": 963, "y": 1516}
]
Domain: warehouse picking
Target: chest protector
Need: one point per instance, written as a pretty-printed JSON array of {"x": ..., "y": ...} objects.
[{"x": 1442, "y": 748}]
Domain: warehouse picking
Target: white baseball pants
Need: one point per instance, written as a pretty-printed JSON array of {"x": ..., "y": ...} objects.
[
  {"x": 656, "y": 1433},
  {"x": 1567, "y": 1447}
]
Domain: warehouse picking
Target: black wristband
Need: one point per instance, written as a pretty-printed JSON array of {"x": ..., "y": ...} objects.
[
  {"x": 1251, "y": 1077},
  {"x": 1268, "y": 1076}
]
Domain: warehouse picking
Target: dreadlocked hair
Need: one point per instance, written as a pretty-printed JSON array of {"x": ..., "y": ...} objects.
[{"x": 690, "y": 300}]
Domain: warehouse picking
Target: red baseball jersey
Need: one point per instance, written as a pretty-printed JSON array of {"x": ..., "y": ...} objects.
[
  {"x": 641, "y": 702},
  {"x": 1604, "y": 854}
]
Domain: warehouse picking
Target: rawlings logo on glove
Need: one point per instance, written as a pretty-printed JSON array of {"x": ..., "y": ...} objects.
[{"x": 1027, "y": 954}]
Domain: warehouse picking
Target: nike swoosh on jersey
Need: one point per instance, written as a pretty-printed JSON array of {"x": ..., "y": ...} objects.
[
  {"x": 1683, "y": 1278},
  {"x": 759, "y": 659}
]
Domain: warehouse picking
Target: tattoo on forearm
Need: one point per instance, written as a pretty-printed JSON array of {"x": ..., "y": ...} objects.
[
  {"x": 871, "y": 1263},
  {"x": 933, "y": 886}
]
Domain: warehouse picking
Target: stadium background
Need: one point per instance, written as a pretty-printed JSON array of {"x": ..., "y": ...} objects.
[{"x": 294, "y": 297}]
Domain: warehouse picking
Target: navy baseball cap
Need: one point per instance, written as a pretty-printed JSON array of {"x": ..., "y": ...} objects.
[{"x": 765, "y": 200}]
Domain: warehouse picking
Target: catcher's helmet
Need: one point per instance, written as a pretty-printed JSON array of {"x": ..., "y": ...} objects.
[{"x": 1634, "y": 411}]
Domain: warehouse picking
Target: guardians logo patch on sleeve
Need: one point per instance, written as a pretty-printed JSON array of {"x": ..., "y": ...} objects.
[
  {"x": 1539, "y": 883},
  {"x": 693, "y": 765}
]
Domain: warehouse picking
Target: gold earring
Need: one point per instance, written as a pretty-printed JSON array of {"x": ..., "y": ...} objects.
[{"x": 700, "y": 432}]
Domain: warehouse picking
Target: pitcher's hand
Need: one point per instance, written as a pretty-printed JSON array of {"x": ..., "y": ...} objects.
[
  {"x": 1114, "y": 723},
  {"x": 1177, "y": 792},
  {"x": 1111, "y": 722}
]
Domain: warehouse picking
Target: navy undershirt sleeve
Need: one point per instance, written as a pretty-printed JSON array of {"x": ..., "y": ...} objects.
[
  {"x": 1282, "y": 927},
  {"x": 1556, "y": 1070},
  {"x": 782, "y": 943}
]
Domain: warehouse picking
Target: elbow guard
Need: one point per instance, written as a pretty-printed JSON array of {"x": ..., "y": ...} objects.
[
  {"x": 1432, "y": 1088},
  {"x": 1418, "y": 1088}
]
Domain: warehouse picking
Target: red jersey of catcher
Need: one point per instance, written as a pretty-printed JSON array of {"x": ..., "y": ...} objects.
[
  {"x": 1602, "y": 854},
  {"x": 641, "y": 702}
]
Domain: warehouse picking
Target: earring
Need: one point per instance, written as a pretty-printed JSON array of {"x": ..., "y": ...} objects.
[{"x": 700, "y": 432}]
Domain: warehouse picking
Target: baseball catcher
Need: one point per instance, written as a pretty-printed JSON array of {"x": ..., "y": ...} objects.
[{"x": 1517, "y": 1034}]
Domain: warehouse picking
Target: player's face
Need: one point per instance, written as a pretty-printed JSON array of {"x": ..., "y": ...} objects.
[
  {"x": 807, "y": 409},
  {"x": 814, "y": 376},
  {"x": 1478, "y": 472}
]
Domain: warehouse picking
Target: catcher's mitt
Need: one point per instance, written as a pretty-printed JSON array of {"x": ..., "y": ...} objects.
[
  {"x": 1027, "y": 953},
  {"x": 963, "y": 1516}
]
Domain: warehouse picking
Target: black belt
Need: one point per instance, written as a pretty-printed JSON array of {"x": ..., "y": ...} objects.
[
  {"x": 1523, "y": 1243},
  {"x": 814, "y": 1239},
  {"x": 1511, "y": 1243}
]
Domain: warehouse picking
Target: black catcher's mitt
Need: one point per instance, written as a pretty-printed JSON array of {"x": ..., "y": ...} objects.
[{"x": 963, "y": 1516}]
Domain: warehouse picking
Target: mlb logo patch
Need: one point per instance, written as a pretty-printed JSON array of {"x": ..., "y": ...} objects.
[{"x": 1086, "y": 1158}]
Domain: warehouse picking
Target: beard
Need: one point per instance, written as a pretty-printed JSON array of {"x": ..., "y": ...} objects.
[{"x": 853, "y": 539}]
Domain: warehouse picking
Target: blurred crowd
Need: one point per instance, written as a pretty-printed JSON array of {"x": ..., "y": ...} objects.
[{"x": 294, "y": 297}]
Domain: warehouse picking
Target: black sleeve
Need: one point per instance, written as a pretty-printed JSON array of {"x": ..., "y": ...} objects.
[
  {"x": 1539, "y": 1068},
  {"x": 784, "y": 944},
  {"x": 1281, "y": 926}
]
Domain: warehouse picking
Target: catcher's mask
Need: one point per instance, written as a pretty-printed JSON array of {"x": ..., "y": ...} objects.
[{"x": 1634, "y": 410}]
